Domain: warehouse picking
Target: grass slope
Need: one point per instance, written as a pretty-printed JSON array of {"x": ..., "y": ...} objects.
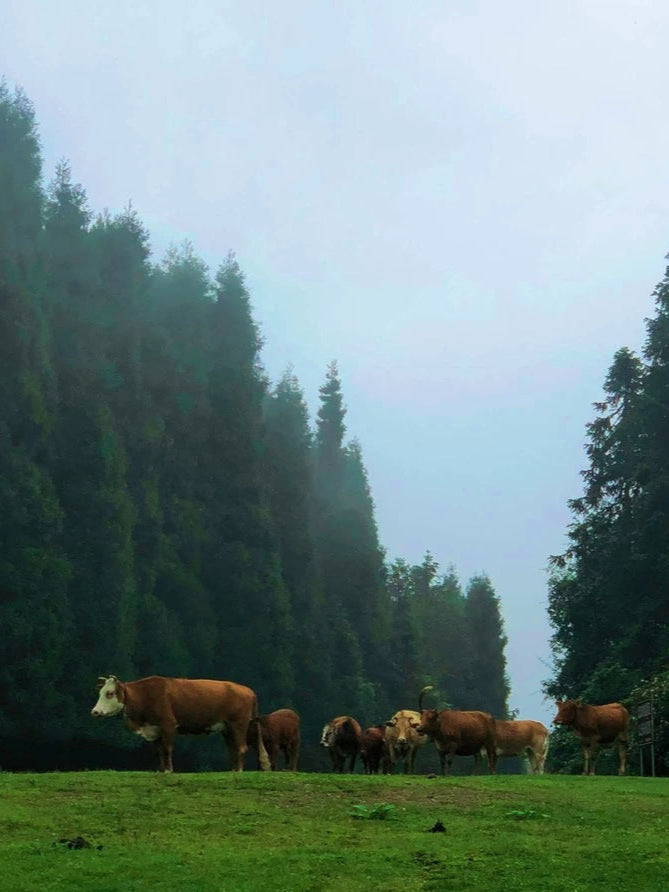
[{"x": 286, "y": 831}]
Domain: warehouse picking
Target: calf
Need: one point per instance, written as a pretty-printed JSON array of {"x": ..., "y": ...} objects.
[
  {"x": 596, "y": 726},
  {"x": 373, "y": 749},
  {"x": 280, "y": 733},
  {"x": 342, "y": 737},
  {"x": 159, "y": 708},
  {"x": 518, "y": 738},
  {"x": 458, "y": 733},
  {"x": 403, "y": 740}
]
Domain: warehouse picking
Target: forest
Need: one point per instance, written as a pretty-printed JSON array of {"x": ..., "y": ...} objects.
[
  {"x": 609, "y": 591},
  {"x": 168, "y": 509}
]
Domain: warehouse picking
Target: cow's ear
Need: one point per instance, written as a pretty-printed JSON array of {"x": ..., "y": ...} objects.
[
  {"x": 558, "y": 703},
  {"x": 390, "y": 724}
]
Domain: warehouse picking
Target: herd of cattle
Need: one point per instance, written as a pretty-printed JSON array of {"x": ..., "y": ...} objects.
[{"x": 158, "y": 708}]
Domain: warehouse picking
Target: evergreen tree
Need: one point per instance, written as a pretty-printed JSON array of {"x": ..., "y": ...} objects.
[
  {"x": 243, "y": 570},
  {"x": 488, "y": 641},
  {"x": 34, "y": 614},
  {"x": 289, "y": 476},
  {"x": 404, "y": 652}
]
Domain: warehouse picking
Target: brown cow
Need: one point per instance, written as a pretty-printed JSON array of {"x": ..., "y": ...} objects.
[
  {"x": 159, "y": 708},
  {"x": 458, "y": 733},
  {"x": 525, "y": 737},
  {"x": 596, "y": 726},
  {"x": 342, "y": 737},
  {"x": 280, "y": 733},
  {"x": 402, "y": 738},
  {"x": 373, "y": 749}
]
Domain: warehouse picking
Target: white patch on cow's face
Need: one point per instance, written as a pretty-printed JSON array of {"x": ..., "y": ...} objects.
[
  {"x": 326, "y": 736},
  {"x": 108, "y": 701}
]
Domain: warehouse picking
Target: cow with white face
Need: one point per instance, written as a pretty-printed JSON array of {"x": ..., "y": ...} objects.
[
  {"x": 159, "y": 708},
  {"x": 109, "y": 697}
]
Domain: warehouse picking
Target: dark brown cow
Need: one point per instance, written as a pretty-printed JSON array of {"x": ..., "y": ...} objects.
[
  {"x": 402, "y": 739},
  {"x": 159, "y": 708},
  {"x": 342, "y": 737},
  {"x": 596, "y": 726},
  {"x": 373, "y": 749},
  {"x": 458, "y": 733},
  {"x": 524, "y": 737},
  {"x": 280, "y": 733}
]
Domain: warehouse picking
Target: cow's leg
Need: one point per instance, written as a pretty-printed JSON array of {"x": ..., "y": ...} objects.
[
  {"x": 165, "y": 747},
  {"x": 590, "y": 750},
  {"x": 442, "y": 759},
  {"x": 354, "y": 756},
  {"x": 273, "y": 753},
  {"x": 294, "y": 753},
  {"x": 160, "y": 750},
  {"x": 237, "y": 748},
  {"x": 491, "y": 751},
  {"x": 622, "y": 752}
]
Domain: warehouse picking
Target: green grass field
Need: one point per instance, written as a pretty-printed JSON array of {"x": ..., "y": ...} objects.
[{"x": 284, "y": 831}]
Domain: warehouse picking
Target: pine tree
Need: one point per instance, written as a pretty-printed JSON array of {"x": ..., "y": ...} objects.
[
  {"x": 488, "y": 641},
  {"x": 289, "y": 477},
  {"x": 243, "y": 570},
  {"x": 34, "y": 614}
]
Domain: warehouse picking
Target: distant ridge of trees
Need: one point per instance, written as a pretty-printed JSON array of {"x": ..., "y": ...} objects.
[{"x": 167, "y": 509}]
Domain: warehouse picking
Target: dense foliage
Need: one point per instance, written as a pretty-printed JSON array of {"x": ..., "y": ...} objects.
[
  {"x": 609, "y": 592},
  {"x": 165, "y": 509}
]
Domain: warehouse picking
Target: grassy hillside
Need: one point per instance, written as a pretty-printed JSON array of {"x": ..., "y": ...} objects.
[{"x": 281, "y": 831}]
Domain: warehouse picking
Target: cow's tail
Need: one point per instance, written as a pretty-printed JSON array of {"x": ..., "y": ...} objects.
[
  {"x": 263, "y": 758},
  {"x": 429, "y": 687}
]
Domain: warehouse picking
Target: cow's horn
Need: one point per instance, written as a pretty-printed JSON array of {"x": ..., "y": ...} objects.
[{"x": 429, "y": 687}]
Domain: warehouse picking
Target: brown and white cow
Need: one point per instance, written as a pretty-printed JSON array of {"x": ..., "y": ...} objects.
[
  {"x": 280, "y": 733},
  {"x": 342, "y": 737},
  {"x": 458, "y": 732},
  {"x": 373, "y": 749},
  {"x": 596, "y": 726},
  {"x": 520, "y": 738},
  {"x": 158, "y": 708},
  {"x": 403, "y": 740}
]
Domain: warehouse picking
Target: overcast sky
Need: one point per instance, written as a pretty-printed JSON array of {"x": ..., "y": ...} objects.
[{"x": 465, "y": 203}]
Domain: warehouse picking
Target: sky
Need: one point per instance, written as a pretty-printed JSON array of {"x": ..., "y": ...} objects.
[{"x": 465, "y": 203}]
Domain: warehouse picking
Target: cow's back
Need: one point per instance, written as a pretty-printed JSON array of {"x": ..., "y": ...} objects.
[
  {"x": 348, "y": 734},
  {"x": 282, "y": 726},
  {"x": 512, "y": 737},
  {"x": 609, "y": 722},
  {"x": 469, "y": 730},
  {"x": 198, "y": 703}
]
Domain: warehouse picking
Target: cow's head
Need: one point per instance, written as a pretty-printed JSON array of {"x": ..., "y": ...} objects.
[
  {"x": 567, "y": 710},
  {"x": 327, "y": 735},
  {"x": 111, "y": 697},
  {"x": 402, "y": 723},
  {"x": 428, "y": 722}
]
